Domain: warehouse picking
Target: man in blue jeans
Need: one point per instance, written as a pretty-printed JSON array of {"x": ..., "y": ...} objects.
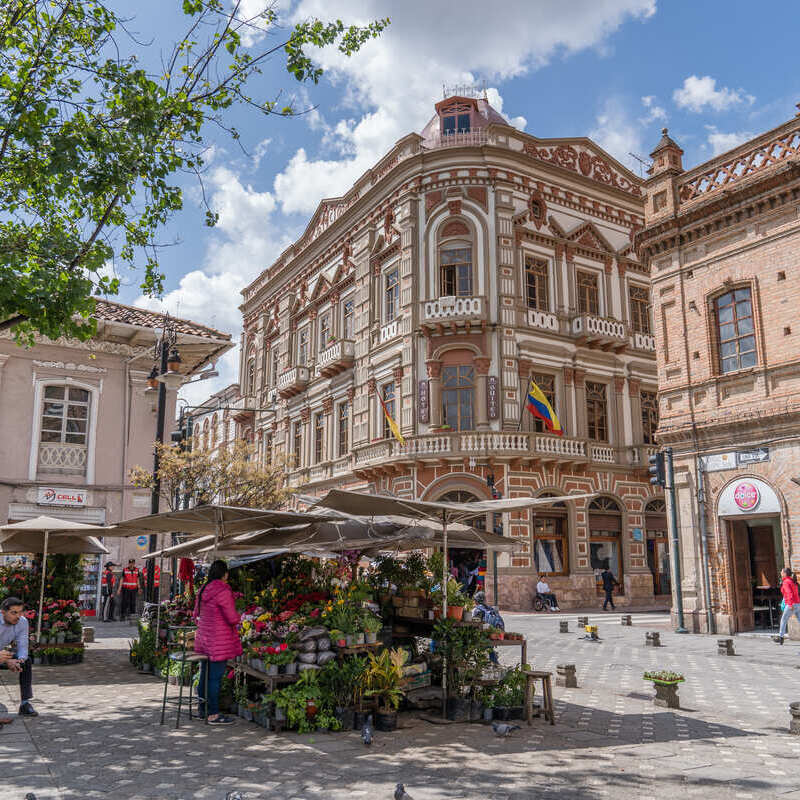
[{"x": 14, "y": 631}]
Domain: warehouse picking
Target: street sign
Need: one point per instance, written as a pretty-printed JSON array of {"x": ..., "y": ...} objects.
[
  {"x": 637, "y": 535},
  {"x": 752, "y": 456},
  {"x": 719, "y": 462}
]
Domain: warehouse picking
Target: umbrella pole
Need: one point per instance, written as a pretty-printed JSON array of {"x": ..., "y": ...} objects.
[
  {"x": 41, "y": 589},
  {"x": 445, "y": 576}
]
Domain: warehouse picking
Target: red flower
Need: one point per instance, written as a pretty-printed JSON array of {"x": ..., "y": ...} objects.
[
  {"x": 271, "y": 650},
  {"x": 283, "y": 646},
  {"x": 315, "y": 613}
]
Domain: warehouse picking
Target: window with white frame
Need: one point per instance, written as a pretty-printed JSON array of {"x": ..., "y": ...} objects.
[
  {"x": 391, "y": 294},
  {"x": 536, "y": 288},
  {"x": 302, "y": 347},
  {"x": 298, "y": 445},
  {"x": 324, "y": 331},
  {"x": 64, "y": 435},
  {"x": 344, "y": 428},
  {"x": 588, "y": 292},
  {"x": 275, "y": 367},
  {"x": 348, "y": 327},
  {"x": 455, "y": 271}
]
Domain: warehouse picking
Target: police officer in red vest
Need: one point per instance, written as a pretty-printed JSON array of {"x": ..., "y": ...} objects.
[
  {"x": 108, "y": 585},
  {"x": 129, "y": 587}
]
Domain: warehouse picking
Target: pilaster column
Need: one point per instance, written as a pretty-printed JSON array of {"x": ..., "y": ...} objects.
[
  {"x": 612, "y": 299},
  {"x": 327, "y": 409},
  {"x": 482, "y": 364},
  {"x": 305, "y": 416},
  {"x": 567, "y": 412},
  {"x": 397, "y": 374},
  {"x": 635, "y": 400},
  {"x": 559, "y": 268},
  {"x": 435, "y": 390},
  {"x": 618, "y": 438},
  {"x": 623, "y": 295},
  {"x": 580, "y": 402},
  {"x": 335, "y": 322},
  {"x": 569, "y": 255},
  {"x": 372, "y": 387}
]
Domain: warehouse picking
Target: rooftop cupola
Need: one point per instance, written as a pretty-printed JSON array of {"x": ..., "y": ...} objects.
[{"x": 666, "y": 156}]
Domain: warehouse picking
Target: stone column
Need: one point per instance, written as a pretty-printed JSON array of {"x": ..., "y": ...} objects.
[
  {"x": 335, "y": 330},
  {"x": 305, "y": 416},
  {"x": 481, "y": 364},
  {"x": 618, "y": 439},
  {"x": 569, "y": 254},
  {"x": 635, "y": 400},
  {"x": 580, "y": 402},
  {"x": 327, "y": 409},
  {"x": 558, "y": 279},
  {"x": 372, "y": 388},
  {"x": 435, "y": 392},
  {"x": 568, "y": 407},
  {"x": 612, "y": 298},
  {"x": 397, "y": 374},
  {"x": 623, "y": 295}
]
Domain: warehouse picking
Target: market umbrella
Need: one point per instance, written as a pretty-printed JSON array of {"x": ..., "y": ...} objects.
[{"x": 37, "y": 533}]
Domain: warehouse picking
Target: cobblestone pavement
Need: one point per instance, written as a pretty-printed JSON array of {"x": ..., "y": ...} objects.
[{"x": 98, "y": 733}]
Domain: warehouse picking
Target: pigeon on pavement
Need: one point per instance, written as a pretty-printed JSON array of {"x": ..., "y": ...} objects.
[
  {"x": 30, "y": 796},
  {"x": 400, "y": 793},
  {"x": 502, "y": 729},
  {"x": 366, "y": 731},
  {"x": 234, "y": 796}
]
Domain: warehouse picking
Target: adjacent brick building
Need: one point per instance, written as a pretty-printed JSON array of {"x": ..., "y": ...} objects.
[
  {"x": 471, "y": 257},
  {"x": 721, "y": 242}
]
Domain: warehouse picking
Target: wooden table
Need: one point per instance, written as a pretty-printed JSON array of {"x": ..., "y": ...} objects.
[
  {"x": 522, "y": 643},
  {"x": 532, "y": 676}
]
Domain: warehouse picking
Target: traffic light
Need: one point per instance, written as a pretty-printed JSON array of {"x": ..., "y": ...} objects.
[{"x": 657, "y": 470}]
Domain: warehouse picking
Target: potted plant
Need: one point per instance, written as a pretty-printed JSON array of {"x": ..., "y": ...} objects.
[
  {"x": 666, "y": 686},
  {"x": 382, "y": 678},
  {"x": 456, "y": 600},
  {"x": 465, "y": 651},
  {"x": 276, "y": 656},
  {"x": 338, "y": 638},
  {"x": 372, "y": 624},
  {"x": 339, "y": 682},
  {"x": 508, "y": 697}
]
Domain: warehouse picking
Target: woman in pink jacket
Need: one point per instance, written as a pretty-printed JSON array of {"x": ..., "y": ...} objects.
[
  {"x": 217, "y": 636},
  {"x": 791, "y": 599}
]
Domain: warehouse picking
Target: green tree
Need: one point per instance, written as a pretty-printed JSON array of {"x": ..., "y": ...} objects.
[{"x": 91, "y": 143}]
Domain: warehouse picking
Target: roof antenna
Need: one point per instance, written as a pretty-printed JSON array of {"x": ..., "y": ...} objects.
[{"x": 643, "y": 162}]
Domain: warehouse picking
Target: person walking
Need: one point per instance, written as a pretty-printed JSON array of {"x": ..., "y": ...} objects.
[
  {"x": 217, "y": 637},
  {"x": 609, "y": 582},
  {"x": 108, "y": 584},
  {"x": 791, "y": 600},
  {"x": 14, "y": 629},
  {"x": 129, "y": 588}
]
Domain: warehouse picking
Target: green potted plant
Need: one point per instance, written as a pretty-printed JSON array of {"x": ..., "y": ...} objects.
[
  {"x": 372, "y": 624},
  {"x": 339, "y": 682},
  {"x": 508, "y": 697},
  {"x": 456, "y": 600},
  {"x": 666, "y": 685},
  {"x": 382, "y": 678}
]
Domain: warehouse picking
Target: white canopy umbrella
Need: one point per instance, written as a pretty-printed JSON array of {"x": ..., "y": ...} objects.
[{"x": 34, "y": 536}]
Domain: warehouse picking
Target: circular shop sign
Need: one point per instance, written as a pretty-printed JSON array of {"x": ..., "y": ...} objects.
[
  {"x": 141, "y": 542},
  {"x": 746, "y": 496}
]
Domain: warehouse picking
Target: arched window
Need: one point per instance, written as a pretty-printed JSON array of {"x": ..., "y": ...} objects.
[
  {"x": 250, "y": 383},
  {"x": 455, "y": 260},
  {"x": 550, "y": 538},
  {"x": 736, "y": 342},
  {"x": 461, "y": 496},
  {"x": 605, "y": 537},
  {"x": 214, "y": 426},
  {"x": 205, "y": 434}
]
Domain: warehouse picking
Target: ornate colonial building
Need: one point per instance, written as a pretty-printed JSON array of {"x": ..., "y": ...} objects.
[
  {"x": 721, "y": 241},
  {"x": 472, "y": 257}
]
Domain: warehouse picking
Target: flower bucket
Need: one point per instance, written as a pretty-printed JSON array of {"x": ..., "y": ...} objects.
[
  {"x": 290, "y": 668},
  {"x": 271, "y": 669},
  {"x": 371, "y": 637},
  {"x": 346, "y": 717},
  {"x": 349, "y": 639},
  {"x": 359, "y": 638},
  {"x": 454, "y": 612},
  {"x": 385, "y": 721}
]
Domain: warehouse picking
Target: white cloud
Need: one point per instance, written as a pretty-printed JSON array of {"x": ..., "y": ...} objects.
[
  {"x": 618, "y": 133},
  {"x": 654, "y": 111},
  {"x": 699, "y": 93},
  {"x": 259, "y": 151},
  {"x": 393, "y": 82},
  {"x": 720, "y": 142}
]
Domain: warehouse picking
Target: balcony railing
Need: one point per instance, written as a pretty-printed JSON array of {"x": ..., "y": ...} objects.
[
  {"x": 292, "y": 381},
  {"x": 62, "y": 459},
  {"x": 453, "y": 308},
  {"x": 336, "y": 357},
  {"x": 559, "y": 447},
  {"x": 475, "y": 138},
  {"x": 644, "y": 341},
  {"x": 389, "y": 331},
  {"x": 543, "y": 320},
  {"x": 243, "y": 407},
  {"x": 599, "y": 331}
]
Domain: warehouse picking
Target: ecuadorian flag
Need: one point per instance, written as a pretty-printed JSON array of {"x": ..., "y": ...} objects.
[
  {"x": 539, "y": 406},
  {"x": 390, "y": 421}
]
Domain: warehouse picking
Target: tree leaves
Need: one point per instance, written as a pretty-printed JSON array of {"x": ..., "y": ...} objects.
[{"x": 91, "y": 145}]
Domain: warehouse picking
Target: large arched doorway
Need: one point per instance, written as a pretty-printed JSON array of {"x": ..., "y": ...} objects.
[
  {"x": 551, "y": 538},
  {"x": 655, "y": 522},
  {"x": 605, "y": 539}
]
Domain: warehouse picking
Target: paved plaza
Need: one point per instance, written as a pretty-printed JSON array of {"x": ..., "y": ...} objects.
[{"x": 98, "y": 734}]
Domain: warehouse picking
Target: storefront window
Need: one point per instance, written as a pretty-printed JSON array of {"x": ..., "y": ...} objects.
[
  {"x": 605, "y": 546},
  {"x": 550, "y": 546}
]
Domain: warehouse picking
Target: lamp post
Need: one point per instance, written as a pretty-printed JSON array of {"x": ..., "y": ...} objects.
[{"x": 165, "y": 374}]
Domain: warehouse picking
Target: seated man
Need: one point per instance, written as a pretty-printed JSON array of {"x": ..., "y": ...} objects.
[
  {"x": 543, "y": 589},
  {"x": 5, "y": 655},
  {"x": 14, "y": 629}
]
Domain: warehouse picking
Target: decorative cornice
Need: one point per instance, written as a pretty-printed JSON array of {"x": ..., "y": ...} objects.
[{"x": 69, "y": 366}]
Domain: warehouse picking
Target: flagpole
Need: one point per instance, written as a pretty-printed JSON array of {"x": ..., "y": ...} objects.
[{"x": 522, "y": 406}]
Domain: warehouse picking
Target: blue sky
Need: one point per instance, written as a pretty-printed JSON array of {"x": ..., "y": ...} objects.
[{"x": 715, "y": 73}]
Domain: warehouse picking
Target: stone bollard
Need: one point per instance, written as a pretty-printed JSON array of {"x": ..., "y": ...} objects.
[
  {"x": 566, "y": 677},
  {"x": 794, "y": 722},
  {"x": 652, "y": 639},
  {"x": 626, "y": 619},
  {"x": 88, "y": 634},
  {"x": 563, "y": 626},
  {"x": 725, "y": 647},
  {"x": 667, "y": 695},
  {"x": 583, "y": 621}
]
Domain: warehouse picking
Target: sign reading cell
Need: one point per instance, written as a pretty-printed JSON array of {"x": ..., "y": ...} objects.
[
  {"x": 53, "y": 496},
  {"x": 746, "y": 496}
]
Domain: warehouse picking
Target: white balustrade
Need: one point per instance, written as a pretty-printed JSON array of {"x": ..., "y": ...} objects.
[
  {"x": 343, "y": 350},
  {"x": 474, "y": 138},
  {"x": 424, "y": 446},
  {"x": 65, "y": 459},
  {"x": 589, "y": 325},
  {"x": 559, "y": 446},
  {"x": 294, "y": 377},
  {"x": 341, "y": 466},
  {"x": 644, "y": 341},
  {"x": 320, "y": 472},
  {"x": 605, "y": 455},
  {"x": 495, "y": 441},
  {"x": 460, "y": 307},
  {"x": 374, "y": 452},
  {"x": 389, "y": 331},
  {"x": 543, "y": 320}
]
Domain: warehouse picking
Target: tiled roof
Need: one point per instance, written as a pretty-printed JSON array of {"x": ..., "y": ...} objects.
[{"x": 117, "y": 312}]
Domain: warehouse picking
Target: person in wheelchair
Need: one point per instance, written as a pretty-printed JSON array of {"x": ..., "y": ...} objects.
[{"x": 548, "y": 598}]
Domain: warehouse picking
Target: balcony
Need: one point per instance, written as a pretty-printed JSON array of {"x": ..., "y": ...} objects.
[
  {"x": 243, "y": 409},
  {"x": 336, "y": 358},
  {"x": 599, "y": 332},
  {"x": 320, "y": 472},
  {"x": 476, "y": 138},
  {"x": 389, "y": 331},
  {"x": 543, "y": 320},
  {"x": 560, "y": 448},
  {"x": 293, "y": 381},
  {"x": 644, "y": 341},
  {"x": 62, "y": 459},
  {"x": 453, "y": 312}
]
